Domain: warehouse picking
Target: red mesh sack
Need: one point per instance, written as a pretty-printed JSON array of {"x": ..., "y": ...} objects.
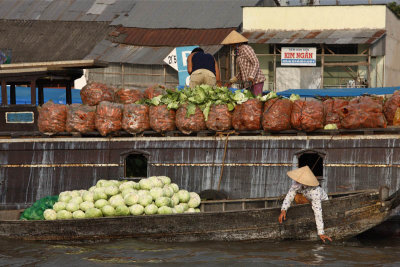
[
  {"x": 154, "y": 91},
  {"x": 162, "y": 119},
  {"x": 52, "y": 117},
  {"x": 390, "y": 107},
  {"x": 135, "y": 118},
  {"x": 108, "y": 117},
  {"x": 247, "y": 116},
  {"x": 276, "y": 116},
  {"x": 193, "y": 123},
  {"x": 127, "y": 96},
  {"x": 307, "y": 115},
  {"x": 363, "y": 112},
  {"x": 93, "y": 93},
  {"x": 332, "y": 108},
  {"x": 80, "y": 118},
  {"x": 219, "y": 118}
]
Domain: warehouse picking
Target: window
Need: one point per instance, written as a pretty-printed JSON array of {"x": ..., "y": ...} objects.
[
  {"x": 136, "y": 166},
  {"x": 312, "y": 160}
]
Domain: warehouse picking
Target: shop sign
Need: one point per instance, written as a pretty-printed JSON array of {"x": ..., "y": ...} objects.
[{"x": 299, "y": 56}]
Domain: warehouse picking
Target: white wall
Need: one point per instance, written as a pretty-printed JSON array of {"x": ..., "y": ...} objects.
[{"x": 392, "y": 53}]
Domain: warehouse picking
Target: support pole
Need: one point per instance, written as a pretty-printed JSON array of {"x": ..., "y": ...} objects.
[
  {"x": 33, "y": 92},
  {"x": 13, "y": 98},
  {"x": 68, "y": 93},
  {"x": 274, "y": 87},
  {"x": 3, "y": 92},
  {"x": 40, "y": 94},
  {"x": 322, "y": 65}
]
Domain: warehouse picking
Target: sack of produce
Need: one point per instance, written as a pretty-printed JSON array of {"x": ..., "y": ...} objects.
[
  {"x": 80, "y": 118},
  {"x": 396, "y": 119},
  {"x": 108, "y": 117},
  {"x": 93, "y": 93},
  {"x": 307, "y": 115},
  {"x": 192, "y": 122},
  {"x": 135, "y": 118},
  {"x": 363, "y": 112},
  {"x": 219, "y": 118},
  {"x": 332, "y": 107},
  {"x": 247, "y": 116},
  {"x": 276, "y": 116},
  {"x": 390, "y": 107},
  {"x": 154, "y": 91},
  {"x": 52, "y": 117},
  {"x": 127, "y": 96},
  {"x": 162, "y": 119}
]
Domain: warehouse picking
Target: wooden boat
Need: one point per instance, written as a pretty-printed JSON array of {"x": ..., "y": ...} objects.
[{"x": 345, "y": 215}]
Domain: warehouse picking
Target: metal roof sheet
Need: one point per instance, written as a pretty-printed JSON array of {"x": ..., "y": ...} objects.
[
  {"x": 120, "y": 53},
  {"x": 361, "y": 36},
  {"x": 35, "y": 41},
  {"x": 169, "y": 37},
  {"x": 194, "y": 14}
]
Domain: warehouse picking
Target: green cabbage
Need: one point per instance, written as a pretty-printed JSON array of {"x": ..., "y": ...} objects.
[
  {"x": 145, "y": 184},
  {"x": 156, "y": 192},
  {"x": 88, "y": 196},
  {"x": 122, "y": 210},
  {"x": 131, "y": 199},
  {"x": 78, "y": 214},
  {"x": 116, "y": 201},
  {"x": 111, "y": 190},
  {"x": 184, "y": 196},
  {"x": 145, "y": 200},
  {"x": 93, "y": 213},
  {"x": 126, "y": 185},
  {"x": 108, "y": 211},
  {"x": 163, "y": 201},
  {"x": 166, "y": 180},
  {"x": 86, "y": 205},
  {"x": 78, "y": 200},
  {"x": 71, "y": 206},
  {"x": 174, "y": 187},
  {"x": 50, "y": 214},
  {"x": 59, "y": 206},
  {"x": 136, "y": 209},
  {"x": 151, "y": 209},
  {"x": 164, "y": 210},
  {"x": 64, "y": 215},
  {"x": 100, "y": 203}
]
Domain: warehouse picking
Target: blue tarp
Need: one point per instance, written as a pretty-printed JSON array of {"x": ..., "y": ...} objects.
[
  {"x": 57, "y": 95},
  {"x": 339, "y": 92}
]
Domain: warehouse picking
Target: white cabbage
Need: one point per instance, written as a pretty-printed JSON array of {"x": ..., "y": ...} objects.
[
  {"x": 122, "y": 210},
  {"x": 126, "y": 185},
  {"x": 86, "y": 205},
  {"x": 111, "y": 190},
  {"x": 64, "y": 215},
  {"x": 151, "y": 209},
  {"x": 91, "y": 189},
  {"x": 87, "y": 196},
  {"x": 64, "y": 198},
  {"x": 163, "y": 201},
  {"x": 71, "y": 206},
  {"x": 145, "y": 184},
  {"x": 156, "y": 192},
  {"x": 184, "y": 196},
  {"x": 50, "y": 214},
  {"x": 128, "y": 191},
  {"x": 93, "y": 213},
  {"x": 165, "y": 179},
  {"x": 164, "y": 210},
  {"x": 194, "y": 203},
  {"x": 108, "y": 211},
  {"x": 136, "y": 209},
  {"x": 145, "y": 200},
  {"x": 156, "y": 182},
  {"x": 131, "y": 199},
  {"x": 75, "y": 193},
  {"x": 99, "y": 195},
  {"x": 100, "y": 203},
  {"x": 191, "y": 210},
  {"x": 185, "y": 206},
  {"x": 174, "y": 187},
  {"x": 59, "y": 206},
  {"x": 78, "y": 200},
  {"x": 116, "y": 201},
  {"x": 197, "y": 210},
  {"x": 168, "y": 191},
  {"x": 179, "y": 209},
  {"x": 175, "y": 200},
  {"x": 78, "y": 214}
]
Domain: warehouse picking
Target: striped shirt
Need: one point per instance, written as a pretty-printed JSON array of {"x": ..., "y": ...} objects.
[
  {"x": 315, "y": 195},
  {"x": 249, "y": 66}
]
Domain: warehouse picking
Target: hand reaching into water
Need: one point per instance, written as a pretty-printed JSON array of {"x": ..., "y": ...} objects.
[
  {"x": 325, "y": 237},
  {"x": 282, "y": 217}
]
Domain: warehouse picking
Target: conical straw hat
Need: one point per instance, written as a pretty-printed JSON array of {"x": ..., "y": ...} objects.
[
  {"x": 303, "y": 175},
  {"x": 234, "y": 38}
]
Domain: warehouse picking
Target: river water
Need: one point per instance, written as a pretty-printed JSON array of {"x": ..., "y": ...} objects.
[{"x": 356, "y": 252}]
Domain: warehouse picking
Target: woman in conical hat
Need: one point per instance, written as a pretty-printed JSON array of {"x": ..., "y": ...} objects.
[{"x": 305, "y": 182}]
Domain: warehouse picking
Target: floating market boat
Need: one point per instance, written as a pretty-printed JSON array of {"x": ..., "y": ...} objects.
[{"x": 345, "y": 215}]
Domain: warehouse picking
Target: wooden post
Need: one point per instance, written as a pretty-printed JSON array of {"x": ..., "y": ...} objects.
[
  {"x": 4, "y": 92},
  {"x": 33, "y": 92},
  {"x": 369, "y": 68},
  {"x": 274, "y": 87},
  {"x": 322, "y": 65},
  {"x": 68, "y": 93},
  {"x": 40, "y": 94},
  {"x": 13, "y": 99}
]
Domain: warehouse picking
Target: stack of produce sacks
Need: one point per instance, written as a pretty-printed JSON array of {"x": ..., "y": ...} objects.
[
  {"x": 52, "y": 117},
  {"x": 153, "y": 195},
  {"x": 93, "y": 93},
  {"x": 390, "y": 107}
]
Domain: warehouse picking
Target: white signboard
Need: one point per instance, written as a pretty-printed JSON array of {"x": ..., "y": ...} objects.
[
  {"x": 299, "y": 56},
  {"x": 172, "y": 60}
]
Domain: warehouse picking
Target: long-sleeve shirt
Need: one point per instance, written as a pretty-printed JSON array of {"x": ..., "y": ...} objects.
[
  {"x": 249, "y": 66},
  {"x": 315, "y": 195}
]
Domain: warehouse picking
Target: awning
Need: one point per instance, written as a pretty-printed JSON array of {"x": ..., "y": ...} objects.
[{"x": 361, "y": 36}]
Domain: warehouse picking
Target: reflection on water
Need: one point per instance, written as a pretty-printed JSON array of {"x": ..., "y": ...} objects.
[{"x": 382, "y": 252}]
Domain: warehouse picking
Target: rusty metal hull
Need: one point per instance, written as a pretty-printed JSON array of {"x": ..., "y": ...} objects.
[
  {"x": 243, "y": 166},
  {"x": 344, "y": 217}
]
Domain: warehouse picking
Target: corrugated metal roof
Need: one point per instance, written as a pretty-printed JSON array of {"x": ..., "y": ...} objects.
[
  {"x": 120, "y": 53},
  {"x": 169, "y": 37},
  {"x": 36, "y": 41},
  {"x": 194, "y": 14},
  {"x": 361, "y": 36},
  {"x": 65, "y": 10}
]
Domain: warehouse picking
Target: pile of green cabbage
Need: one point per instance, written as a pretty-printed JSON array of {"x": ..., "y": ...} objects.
[
  {"x": 153, "y": 195},
  {"x": 203, "y": 96}
]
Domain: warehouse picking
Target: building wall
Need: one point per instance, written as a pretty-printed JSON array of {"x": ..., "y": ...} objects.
[
  {"x": 316, "y": 17},
  {"x": 392, "y": 57}
]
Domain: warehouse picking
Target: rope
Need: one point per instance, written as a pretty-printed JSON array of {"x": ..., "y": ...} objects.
[{"x": 223, "y": 160}]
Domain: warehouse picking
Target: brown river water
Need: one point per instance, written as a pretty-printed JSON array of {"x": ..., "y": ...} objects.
[{"x": 356, "y": 252}]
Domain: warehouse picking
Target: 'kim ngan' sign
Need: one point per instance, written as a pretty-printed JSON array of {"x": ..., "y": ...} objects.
[{"x": 299, "y": 56}]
